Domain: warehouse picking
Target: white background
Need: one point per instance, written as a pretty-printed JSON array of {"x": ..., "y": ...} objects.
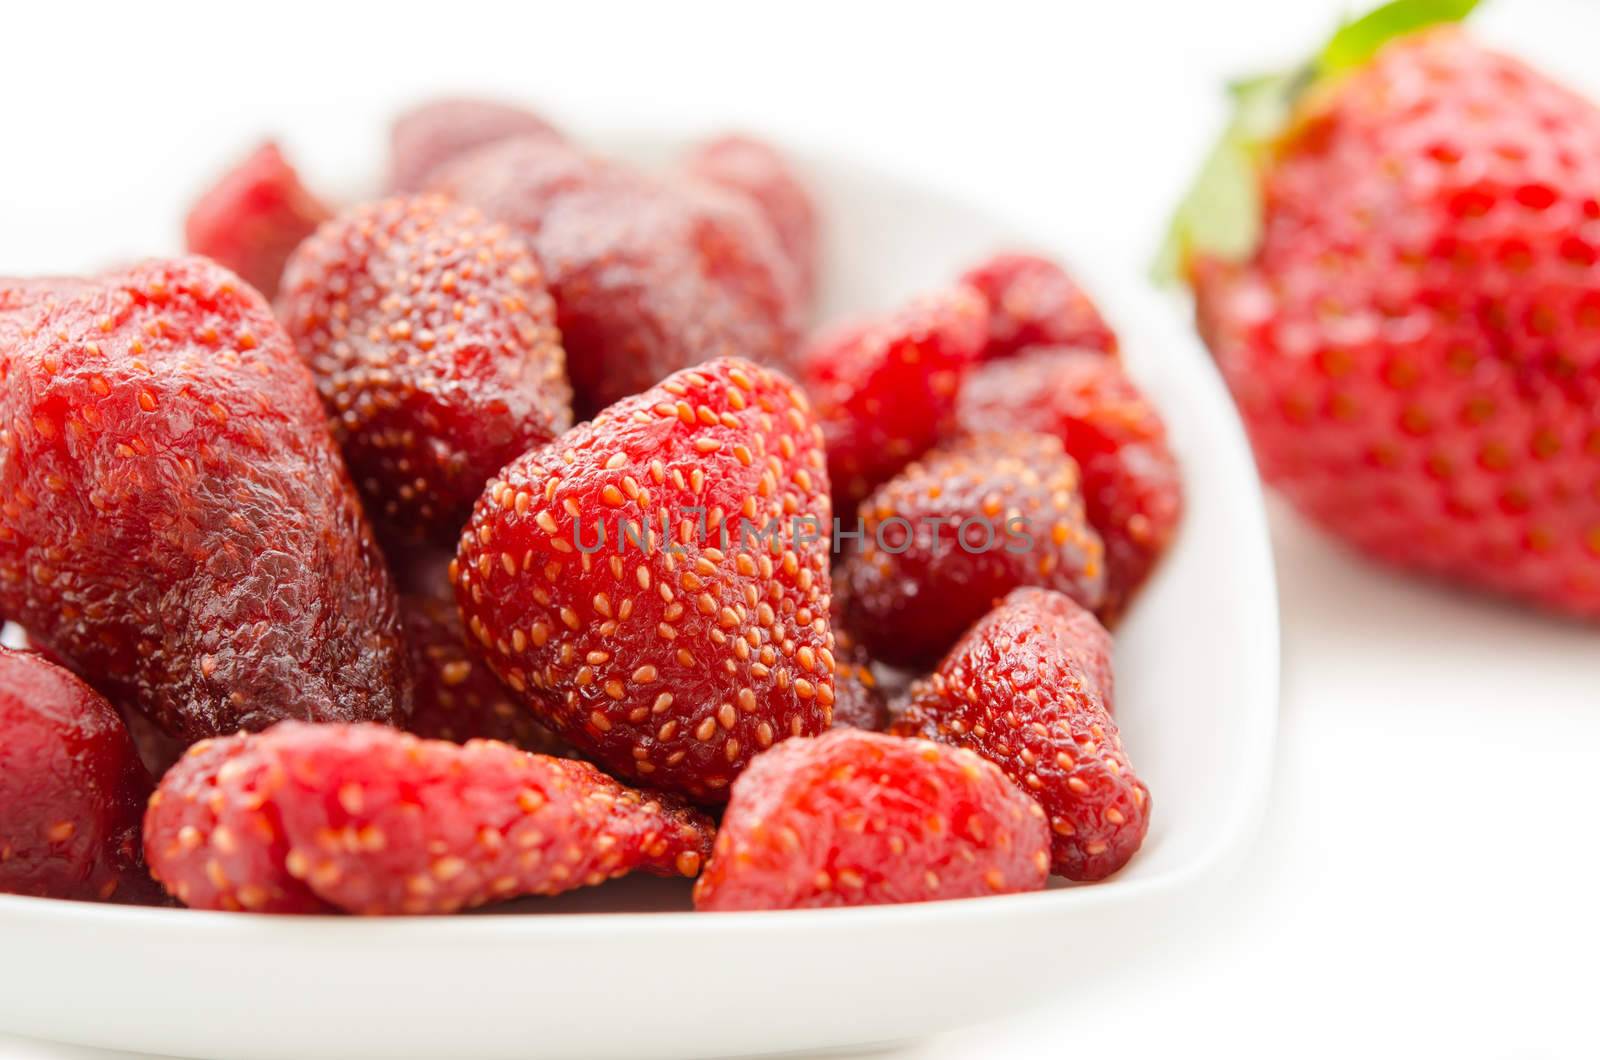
[{"x": 1427, "y": 878}]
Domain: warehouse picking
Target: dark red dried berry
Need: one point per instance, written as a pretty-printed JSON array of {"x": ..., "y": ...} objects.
[
  {"x": 1033, "y": 302},
  {"x": 425, "y": 137},
  {"x": 860, "y": 818},
  {"x": 254, "y": 217},
  {"x": 72, "y": 788},
  {"x": 177, "y": 521},
  {"x": 758, "y": 170},
  {"x": 1029, "y": 688},
  {"x": 434, "y": 344},
  {"x": 367, "y": 820},
  {"x": 960, "y": 528}
]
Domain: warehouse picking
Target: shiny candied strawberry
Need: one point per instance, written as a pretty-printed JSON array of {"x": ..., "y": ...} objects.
[
  {"x": 960, "y": 528},
  {"x": 1034, "y": 302},
  {"x": 254, "y": 217},
  {"x": 431, "y": 134},
  {"x": 860, "y": 818},
  {"x": 756, "y": 169},
  {"x": 72, "y": 788},
  {"x": 1029, "y": 688},
  {"x": 367, "y": 820},
  {"x": 649, "y": 276},
  {"x": 885, "y": 388},
  {"x": 434, "y": 344},
  {"x": 1131, "y": 485},
  {"x": 176, "y": 520},
  {"x": 643, "y": 584}
]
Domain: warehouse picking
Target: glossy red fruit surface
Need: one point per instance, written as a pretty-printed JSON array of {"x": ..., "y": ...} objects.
[
  {"x": 254, "y": 217},
  {"x": 756, "y": 169},
  {"x": 1034, "y": 302}
]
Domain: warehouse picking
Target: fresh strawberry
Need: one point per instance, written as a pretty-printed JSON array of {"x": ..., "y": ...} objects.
[
  {"x": 649, "y": 276},
  {"x": 72, "y": 788},
  {"x": 434, "y": 344},
  {"x": 1029, "y": 688},
  {"x": 254, "y": 217},
  {"x": 1131, "y": 486},
  {"x": 176, "y": 519},
  {"x": 360, "y": 818},
  {"x": 1408, "y": 308},
  {"x": 885, "y": 388},
  {"x": 756, "y": 169},
  {"x": 955, "y": 531},
  {"x": 1034, "y": 302},
  {"x": 694, "y": 633},
  {"x": 426, "y": 137},
  {"x": 859, "y": 818}
]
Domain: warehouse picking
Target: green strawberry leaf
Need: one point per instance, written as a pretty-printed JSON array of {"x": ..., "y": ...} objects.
[{"x": 1221, "y": 213}]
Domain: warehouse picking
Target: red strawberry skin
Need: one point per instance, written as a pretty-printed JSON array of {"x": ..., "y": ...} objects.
[
  {"x": 1034, "y": 302},
  {"x": 758, "y": 170},
  {"x": 1030, "y": 689},
  {"x": 1415, "y": 343},
  {"x": 72, "y": 788},
  {"x": 434, "y": 344},
  {"x": 254, "y": 217},
  {"x": 669, "y": 659},
  {"x": 860, "y": 818},
  {"x": 426, "y": 137},
  {"x": 1132, "y": 487},
  {"x": 367, "y": 820},
  {"x": 177, "y": 521}
]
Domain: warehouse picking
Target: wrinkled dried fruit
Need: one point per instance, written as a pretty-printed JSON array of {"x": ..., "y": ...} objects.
[
  {"x": 368, "y": 820},
  {"x": 177, "y": 521},
  {"x": 757, "y": 169},
  {"x": 858, "y": 701},
  {"x": 1033, "y": 302},
  {"x": 885, "y": 389},
  {"x": 860, "y": 818},
  {"x": 1130, "y": 478},
  {"x": 72, "y": 788},
  {"x": 254, "y": 217},
  {"x": 648, "y": 276},
  {"x": 434, "y": 345},
  {"x": 960, "y": 528},
  {"x": 425, "y": 137},
  {"x": 457, "y": 698},
  {"x": 641, "y": 581},
  {"x": 1029, "y": 688}
]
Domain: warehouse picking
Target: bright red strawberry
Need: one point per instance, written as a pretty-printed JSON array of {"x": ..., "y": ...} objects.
[
  {"x": 1034, "y": 302},
  {"x": 1411, "y": 326},
  {"x": 367, "y": 820},
  {"x": 695, "y": 633},
  {"x": 885, "y": 389},
  {"x": 1029, "y": 688},
  {"x": 425, "y": 137},
  {"x": 859, "y": 818},
  {"x": 434, "y": 345},
  {"x": 960, "y": 528},
  {"x": 457, "y": 698},
  {"x": 176, "y": 519},
  {"x": 254, "y": 217},
  {"x": 648, "y": 276},
  {"x": 1131, "y": 485},
  {"x": 72, "y": 788},
  {"x": 757, "y": 169}
]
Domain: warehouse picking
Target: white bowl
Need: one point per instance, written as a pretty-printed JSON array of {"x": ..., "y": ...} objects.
[{"x": 625, "y": 970}]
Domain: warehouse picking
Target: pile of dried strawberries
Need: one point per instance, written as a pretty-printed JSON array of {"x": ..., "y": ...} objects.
[{"x": 508, "y": 534}]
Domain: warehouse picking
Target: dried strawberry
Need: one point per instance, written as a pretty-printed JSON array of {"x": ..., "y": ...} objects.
[
  {"x": 368, "y": 820},
  {"x": 957, "y": 530},
  {"x": 671, "y": 650},
  {"x": 1130, "y": 478},
  {"x": 757, "y": 169},
  {"x": 254, "y": 217},
  {"x": 457, "y": 698},
  {"x": 177, "y": 521},
  {"x": 434, "y": 344},
  {"x": 886, "y": 389},
  {"x": 858, "y": 701},
  {"x": 425, "y": 137},
  {"x": 649, "y": 276},
  {"x": 1034, "y": 302},
  {"x": 1029, "y": 688},
  {"x": 860, "y": 818},
  {"x": 72, "y": 788}
]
